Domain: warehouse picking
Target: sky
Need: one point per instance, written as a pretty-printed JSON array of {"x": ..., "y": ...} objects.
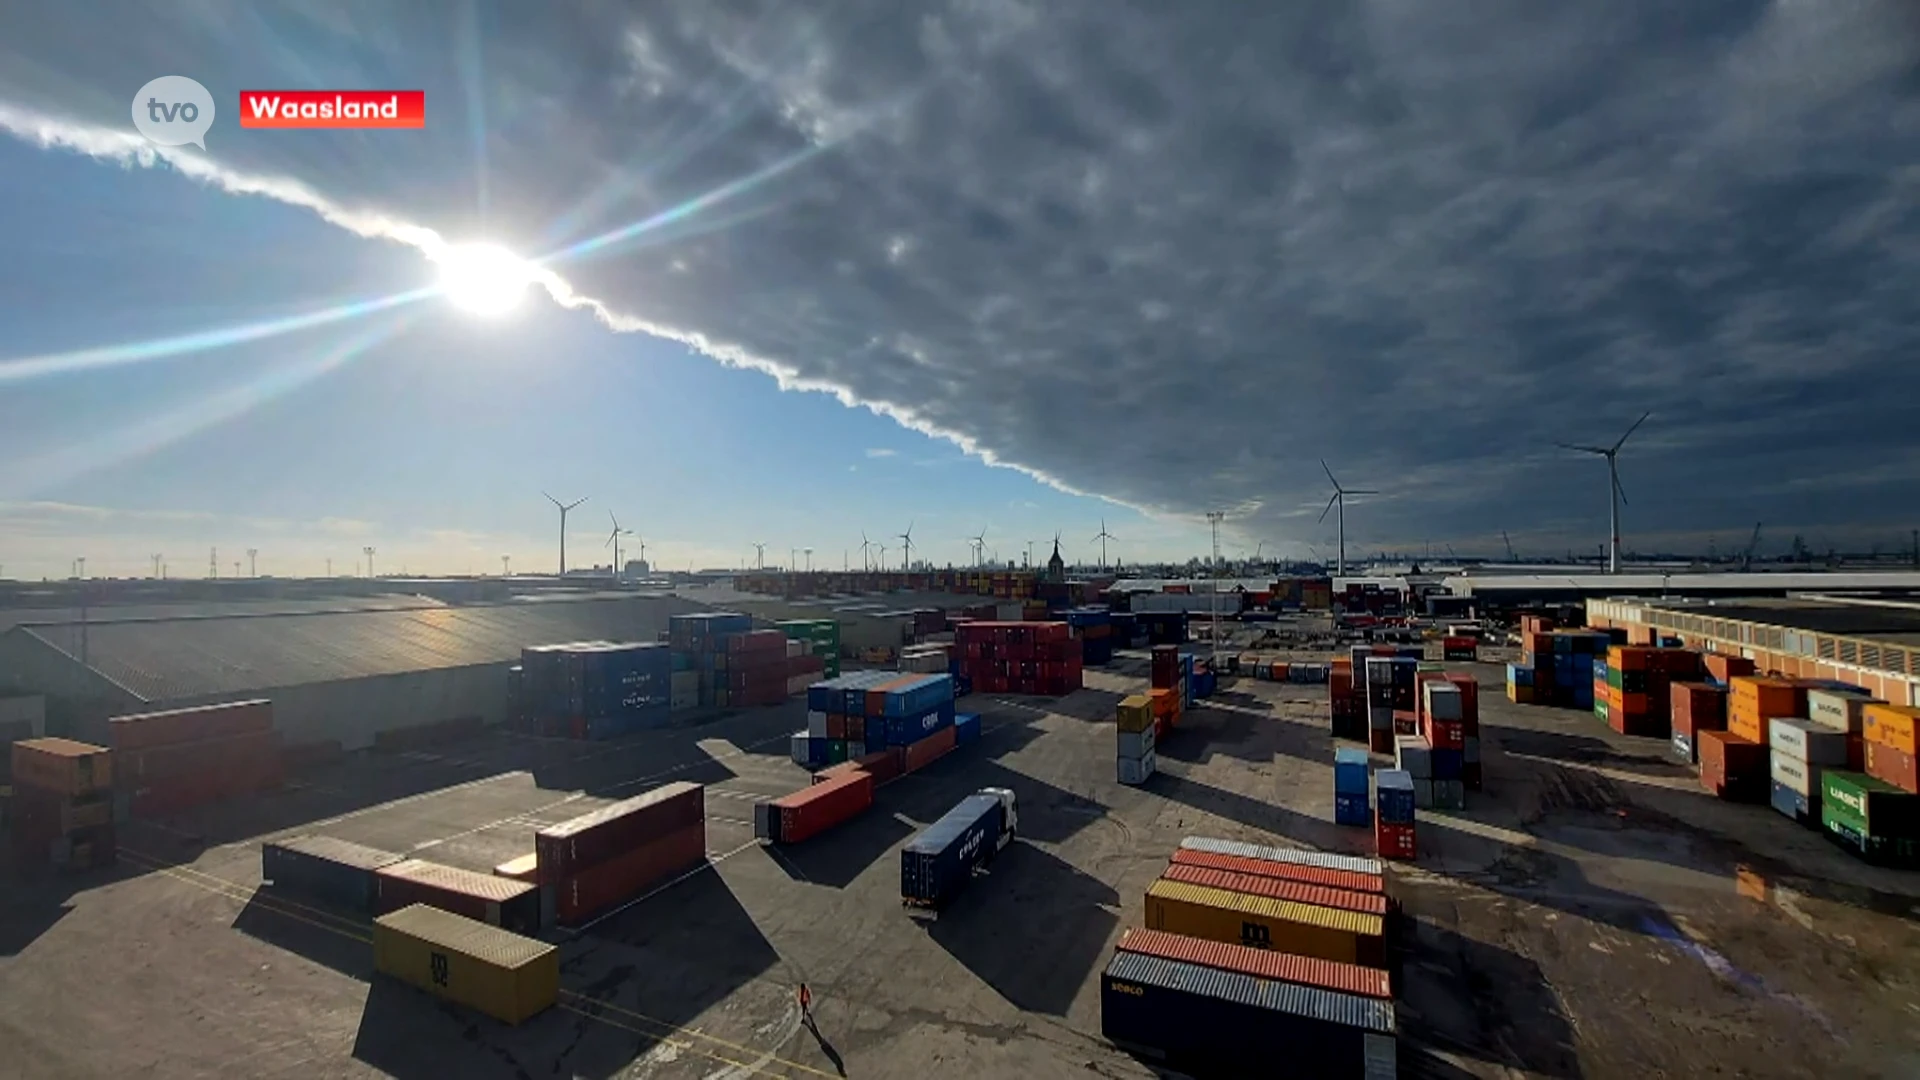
[{"x": 803, "y": 271}]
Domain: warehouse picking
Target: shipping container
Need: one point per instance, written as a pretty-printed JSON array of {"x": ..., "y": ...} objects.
[
  {"x": 510, "y": 905},
  {"x": 1881, "y": 808},
  {"x": 571, "y": 846},
  {"x": 1366, "y": 903},
  {"x": 1211, "y": 1021},
  {"x": 1896, "y": 767},
  {"x": 1262, "y": 923},
  {"x": 812, "y": 810},
  {"x": 937, "y": 864},
  {"x": 966, "y": 728},
  {"x": 1309, "y": 875},
  {"x": 324, "y": 869},
  {"x": 1136, "y": 771},
  {"x": 1135, "y": 744},
  {"x": 595, "y": 890},
  {"x": 1891, "y": 725},
  {"x": 142, "y": 730},
  {"x": 1260, "y": 963},
  {"x": 926, "y": 751},
  {"x": 250, "y": 760},
  {"x": 1838, "y": 710},
  {"x": 1350, "y": 863},
  {"x": 503, "y": 975},
  {"x": 522, "y": 868},
  {"x": 1805, "y": 740},
  {"x": 1732, "y": 767},
  {"x": 62, "y": 766}
]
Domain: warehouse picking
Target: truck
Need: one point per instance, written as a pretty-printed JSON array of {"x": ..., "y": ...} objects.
[{"x": 936, "y": 865}]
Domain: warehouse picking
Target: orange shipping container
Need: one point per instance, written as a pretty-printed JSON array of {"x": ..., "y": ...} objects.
[
  {"x": 927, "y": 751},
  {"x": 1755, "y": 700},
  {"x": 1891, "y": 725},
  {"x": 1278, "y": 889},
  {"x": 1346, "y": 880},
  {"x": 142, "y": 730},
  {"x": 62, "y": 766},
  {"x": 1726, "y": 668},
  {"x": 1896, "y": 767}
]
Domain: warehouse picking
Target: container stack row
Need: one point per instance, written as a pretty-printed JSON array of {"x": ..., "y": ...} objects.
[
  {"x": 1167, "y": 688},
  {"x": 1093, "y": 626},
  {"x": 1163, "y": 627},
  {"x": 843, "y": 791},
  {"x": 1019, "y": 657},
  {"x": 1392, "y": 699},
  {"x": 166, "y": 762},
  {"x": 1246, "y": 948},
  {"x": 1347, "y": 701},
  {"x": 1135, "y": 733},
  {"x": 604, "y": 859},
  {"x": 1633, "y": 687},
  {"x": 1352, "y": 787},
  {"x": 1556, "y": 668},
  {"x": 62, "y": 811},
  {"x": 870, "y": 712},
  {"x": 1693, "y": 708},
  {"x": 822, "y": 638},
  {"x": 594, "y": 689},
  {"x": 720, "y": 661},
  {"x": 1267, "y": 669}
]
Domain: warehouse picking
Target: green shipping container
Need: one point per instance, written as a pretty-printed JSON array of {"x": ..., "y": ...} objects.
[
  {"x": 1875, "y": 808},
  {"x": 1851, "y": 833},
  {"x": 836, "y": 751}
]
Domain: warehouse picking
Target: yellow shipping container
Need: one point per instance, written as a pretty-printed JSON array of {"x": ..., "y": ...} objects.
[
  {"x": 501, "y": 974},
  {"x": 1892, "y": 726},
  {"x": 1349, "y": 937},
  {"x": 1134, "y": 713}
]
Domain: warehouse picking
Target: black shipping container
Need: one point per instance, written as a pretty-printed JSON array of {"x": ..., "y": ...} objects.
[
  {"x": 1223, "y": 1022},
  {"x": 324, "y": 869},
  {"x": 937, "y": 864}
]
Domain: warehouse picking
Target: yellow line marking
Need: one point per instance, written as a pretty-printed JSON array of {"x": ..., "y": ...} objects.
[{"x": 233, "y": 890}]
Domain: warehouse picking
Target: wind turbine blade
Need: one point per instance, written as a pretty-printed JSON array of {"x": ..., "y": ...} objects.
[
  {"x": 1359, "y": 491},
  {"x": 1329, "y": 507},
  {"x": 1329, "y": 472},
  {"x": 1631, "y": 430},
  {"x": 1582, "y": 449},
  {"x": 551, "y": 499}
]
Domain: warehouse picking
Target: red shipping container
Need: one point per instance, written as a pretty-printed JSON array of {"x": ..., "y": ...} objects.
[
  {"x": 1469, "y": 699},
  {"x": 1279, "y": 889},
  {"x": 1420, "y": 679},
  {"x": 1697, "y": 707},
  {"x": 837, "y": 725},
  {"x": 755, "y": 642},
  {"x": 572, "y": 846},
  {"x": 925, "y": 752},
  {"x": 1896, "y": 767},
  {"x": 1300, "y": 872},
  {"x": 244, "y": 752},
  {"x": 1732, "y": 767},
  {"x": 497, "y": 901},
  {"x": 882, "y": 765},
  {"x": 1405, "y": 722},
  {"x": 1394, "y": 840},
  {"x": 141, "y": 730},
  {"x": 1723, "y": 667},
  {"x": 1260, "y": 963},
  {"x": 628, "y": 875},
  {"x": 811, "y": 811},
  {"x": 1446, "y": 734}
]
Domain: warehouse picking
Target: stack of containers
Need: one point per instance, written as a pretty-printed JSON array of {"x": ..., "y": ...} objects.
[
  {"x": 822, "y": 639},
  {"x": 1520, "y": 684},
  {"x": 1135, "y": 735},
  {"x": 1695, "y": 707},
  {"x": 598, "y": 861},
  {"x": 62, "y": 806},
  {"x": 1843, "y": 711},
  {"x": 868, "y": 712},
  {"x": 753, "y": 670},
  {"x": 1443, "y": 727},
  {"x": 1168, "y": 692},
  {"x": 165, "y": 762},
  {"x": 1561, "y": 665},
  {"x": 597, "y": 689},
  {"x": 1282, "y": 914},
  {"x": 1723, "y": 669},
  {"x": 1390, "y": 690},
  {"x": 1800, "y": 751},
  {"x": 1731, "y": 767},
  {"x": 1124, "y": 628},
  {"x": 699, "y": 644},
  {"x": 1737, "y": 766},
  {"x": 1890, "y": 744},
  {"x": 1019, "y": 657},
  {"x": 804, "y": 814},
  {"x": 1094, "y": 627},
  {"x": 1469, "y": 687},
  {"x": 1346, "y": 705},
  {"x": 1393, "y": 814},
  {"x": 1870, "y": 817},
  {"x": 1202, "y": 680},
  {"x": 1639, "y": 680},
  {"x": 1352, "y": 786}
]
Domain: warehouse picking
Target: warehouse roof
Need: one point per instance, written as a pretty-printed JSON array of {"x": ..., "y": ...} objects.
[
  {"x": 162, "y": 659},
  {"x": 183, "y": 609},
  {"x": 1892, "y": 621},
  {"x": 1649, "y": 586}
]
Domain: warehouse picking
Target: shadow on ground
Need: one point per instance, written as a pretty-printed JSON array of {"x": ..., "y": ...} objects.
[
  {"x": 835, "y": 858},
  {"x": 1032, "y": 928},
  {"x": 1469, "y": 999},
  {"x": 1266, "y": 816},
  {"x": 333, "y": 939}
]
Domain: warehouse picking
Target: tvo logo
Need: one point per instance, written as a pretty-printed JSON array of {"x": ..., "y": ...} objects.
[{"x": 173, "y": 110}]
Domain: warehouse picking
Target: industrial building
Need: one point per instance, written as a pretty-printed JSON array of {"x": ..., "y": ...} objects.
[
  {"x": 339, "y": 675},
  {"x": 1871, "y": 643}
]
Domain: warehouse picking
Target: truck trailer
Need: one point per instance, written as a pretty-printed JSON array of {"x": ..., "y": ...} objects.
[{"x": 936, "y": 865}]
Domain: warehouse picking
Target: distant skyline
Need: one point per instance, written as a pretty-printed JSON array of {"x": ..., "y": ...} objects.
[{"x": 1021, "y": 269}]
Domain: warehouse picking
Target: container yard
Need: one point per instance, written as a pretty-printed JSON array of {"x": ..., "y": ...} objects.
[{"x": 1160, "y": 861}]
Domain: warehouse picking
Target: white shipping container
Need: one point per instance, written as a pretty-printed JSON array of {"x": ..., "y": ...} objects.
[
  {"x": 1796, "y": 776},
  {"x": 1807, "y": 741},
  {"x": 1135, "y": 770},
  {"x": 1136, "y": 744},
  {"x": 1412, "y": 755},
  {"x": 816, "y": 724},
  {"x": 1837, "y": 710}
]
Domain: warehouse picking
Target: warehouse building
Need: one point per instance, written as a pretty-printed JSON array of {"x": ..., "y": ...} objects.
[
  {"x": 340, "y": 675},
  {"x": 1867, "y": 642}
]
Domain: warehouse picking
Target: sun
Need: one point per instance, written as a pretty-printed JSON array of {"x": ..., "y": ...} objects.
[{"x": 483, "y": 279}]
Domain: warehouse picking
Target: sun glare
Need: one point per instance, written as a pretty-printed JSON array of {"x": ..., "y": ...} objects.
[{"x": 483, "y": 279}]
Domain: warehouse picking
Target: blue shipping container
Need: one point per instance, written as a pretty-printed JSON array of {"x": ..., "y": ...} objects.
[
  {"x": 1446, "y": 764},
  {"x": 615, "y": 725},
  {"x": 1350, "y": 769},
  {"x": 966, "y": 728},
  {"x": 1393, "y": 795},
  {"x": 1792, "y": 803},
  {"x": 903, "y": 730},
  {"x": 937, "y": 864},
  {"x": 1519, "y": 676},
  {"x": 324, "y": 869},
  {"x": 1350, "y": 809}
]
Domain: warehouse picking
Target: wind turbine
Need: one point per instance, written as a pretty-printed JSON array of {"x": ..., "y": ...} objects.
[
  {"x": 866, "y": 545},
  {"x": 1616, "y": 496},
  {"x": 760, "y": 554},
  {"x": 1340, "y": 498},
  {"x": 809, "y": 554},
  {"x": 906, "y": 539},
  {"x": 1103, "y": 536},
  {"x": 613, "y": 538},
  {"x": 564, "y": 508},
  {"x": 978, "y": 542}
]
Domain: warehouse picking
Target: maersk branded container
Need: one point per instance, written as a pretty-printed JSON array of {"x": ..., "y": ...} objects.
[
  {"x": 1237, "y": 918},
  {"x": 595, "y": 890},
  {"x": 1310, "y": 875},
  {"x": 324, "y": 869},
  {"x": 571, "y": 846},
  {"x": 1351, "y": 863},
  {"x": 504, "y": 975},
  {"x": 496, "y": 901},
  {"x": 1297, "y": 892},
  {"x": 1352, "y": 979},
  {"x": 1207, "y": 1020},
  {"x": 937, "y": 864},
  {"x": 812, "y": 810}
]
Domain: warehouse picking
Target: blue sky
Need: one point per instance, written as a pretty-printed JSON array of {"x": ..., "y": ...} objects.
[
  {"x": 434, "y": 434},
  {"x": 1168, "y": 254}
]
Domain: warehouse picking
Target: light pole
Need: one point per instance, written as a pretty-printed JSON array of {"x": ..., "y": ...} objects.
[{"x": 1214, "y": 518}]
